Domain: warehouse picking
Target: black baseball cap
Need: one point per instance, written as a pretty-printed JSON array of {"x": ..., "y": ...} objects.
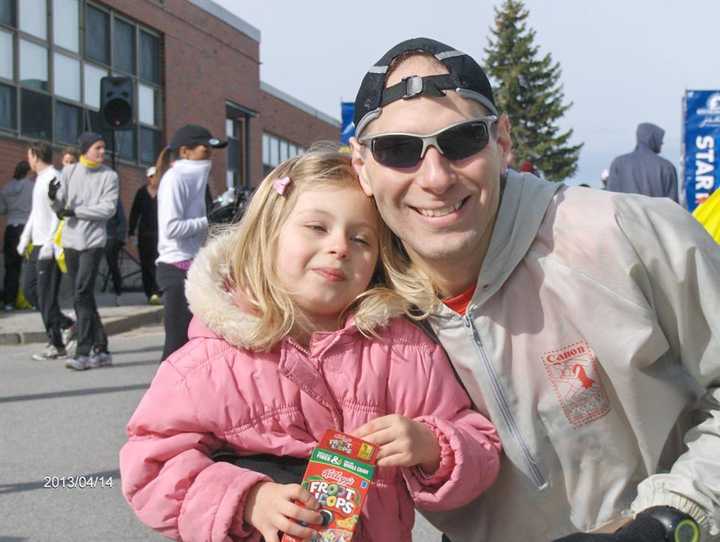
[
  {"x": 465, "y": 77},
  {"x": 192, "y": 135}
]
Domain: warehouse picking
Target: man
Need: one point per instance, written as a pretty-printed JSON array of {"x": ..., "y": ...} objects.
[
  {"x": 15, "y": 202},
  {"x": 86, "y": 197},
  {"x": 643, "y": 171},
  {"x": 583, "y": 322},
  {"x": 41, "y": 278}
]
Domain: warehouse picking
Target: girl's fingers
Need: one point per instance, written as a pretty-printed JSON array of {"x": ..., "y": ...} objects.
[
  {"x": 402, "y": 459},
  {"x": 270, "y": 535},
  {"x": 373, "y": 426},
  {"x": 298, "y": 512},
  {"x": 293, "y": 528},
  {"x": 381, "y": 437},
  {"x": 299, "y": 493}
]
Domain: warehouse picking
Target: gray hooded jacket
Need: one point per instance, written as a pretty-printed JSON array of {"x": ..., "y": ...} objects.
[{"x": 643, "y": 171}]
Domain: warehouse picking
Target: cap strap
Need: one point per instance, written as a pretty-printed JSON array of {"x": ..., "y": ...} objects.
[{"x": 413, "y": 86}]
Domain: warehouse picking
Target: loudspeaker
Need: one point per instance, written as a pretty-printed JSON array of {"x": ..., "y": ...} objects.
[{"x": 116, "y": 101}]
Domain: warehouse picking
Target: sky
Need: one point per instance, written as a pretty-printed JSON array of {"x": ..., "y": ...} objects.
[{"x": 623, "y": 61}]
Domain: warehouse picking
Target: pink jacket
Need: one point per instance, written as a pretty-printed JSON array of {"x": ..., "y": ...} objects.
[{"x": 213, "y": 393}]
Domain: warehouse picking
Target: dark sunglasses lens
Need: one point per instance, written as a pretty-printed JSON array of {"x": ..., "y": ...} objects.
[
  {"x": 463, "y": 141},
  {"x": 397, "y": 151}
]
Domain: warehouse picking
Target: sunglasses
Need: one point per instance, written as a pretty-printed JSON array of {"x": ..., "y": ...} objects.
[{"x": 455, "y": 142}]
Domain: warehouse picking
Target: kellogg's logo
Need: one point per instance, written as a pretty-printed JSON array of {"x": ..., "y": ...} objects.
[
  {"x": 338, "y": 477},
  {"x": 573, "y": 372}
]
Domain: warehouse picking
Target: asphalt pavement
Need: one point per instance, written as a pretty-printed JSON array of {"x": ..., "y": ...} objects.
[{"x": 64, "y": 428}]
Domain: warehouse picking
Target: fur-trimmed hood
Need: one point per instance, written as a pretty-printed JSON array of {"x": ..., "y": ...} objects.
[{"x": 210, "y": 300}]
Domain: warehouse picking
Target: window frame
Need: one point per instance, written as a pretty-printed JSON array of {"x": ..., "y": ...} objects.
[{"x": 80, "y": 56}]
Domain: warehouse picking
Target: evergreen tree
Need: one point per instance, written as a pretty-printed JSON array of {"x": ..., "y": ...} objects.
[{"x": 528, "y": 89}]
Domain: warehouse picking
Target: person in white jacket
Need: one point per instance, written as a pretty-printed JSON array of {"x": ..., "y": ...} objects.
[
  {"x": 182, "y": 222},
  {"x": 584, "y": 323},
  {"x": 41, "y": 276}
]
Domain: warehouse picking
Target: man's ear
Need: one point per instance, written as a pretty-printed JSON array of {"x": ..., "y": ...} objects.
[
  {"x": 358, "y": 163},
  {"x": 504, "y": 140}
]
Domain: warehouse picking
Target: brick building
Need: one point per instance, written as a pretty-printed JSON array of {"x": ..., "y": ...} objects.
[{"x": 191, "y": 61}]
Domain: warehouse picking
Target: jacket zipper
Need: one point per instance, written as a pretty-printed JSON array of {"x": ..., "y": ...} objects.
[{"x": 537, "y": 476}]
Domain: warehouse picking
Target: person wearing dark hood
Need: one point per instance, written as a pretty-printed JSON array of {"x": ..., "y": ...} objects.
[{"x": 643, "y": 171}]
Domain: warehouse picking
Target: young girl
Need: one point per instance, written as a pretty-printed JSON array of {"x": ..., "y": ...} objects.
[
  {"x": 294, "y": 334},
  {"x": 182, "y": 222}
]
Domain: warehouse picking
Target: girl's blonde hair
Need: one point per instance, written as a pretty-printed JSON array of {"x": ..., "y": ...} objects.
[{"x": 252, "y": 251}]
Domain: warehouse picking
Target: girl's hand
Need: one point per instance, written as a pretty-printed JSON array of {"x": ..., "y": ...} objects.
[
  {"x": 403, "y": 442},
  {"x": 272, "y": 507}
]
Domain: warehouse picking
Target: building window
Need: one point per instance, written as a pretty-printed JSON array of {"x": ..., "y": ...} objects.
[
  {"x": 33, "y": 17},
  {"x": 52, "y": 92},
  {"x": 7, "y": 108},
  {"x": 6, "y": 54},
  {"x": 149, "y": 57},
  {"x": 236, "y": 129},
  {"x": 7, "y": 12},
  {"x": 124, "y": 49},
  {"x": 35, "y": 115},
  {"x": 33, "y": 65},
  {"x": 275, "y": 150},
  {"x": 68, "y": 123},
  {"x": 97, "y": 35},
  {"x": 66, "y": 24},
  {"x": 67, "y": 76}
]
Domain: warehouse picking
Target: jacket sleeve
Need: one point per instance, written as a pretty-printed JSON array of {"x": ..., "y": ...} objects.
[
  {"x": 470, "y": 447},
  {"x": 106, "y": 206},
  {"x": 171, "y": 211},
  {"x": 58, "y": 204},
  {"x": 168, "y": 478},
  {"x": 679, "y": 273},
  {"x": 671, "y": 182}
]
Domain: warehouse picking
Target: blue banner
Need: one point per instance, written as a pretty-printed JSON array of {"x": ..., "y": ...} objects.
[
  {"x": 702, "y": 138},
  {"x": 347, "y": 128}
]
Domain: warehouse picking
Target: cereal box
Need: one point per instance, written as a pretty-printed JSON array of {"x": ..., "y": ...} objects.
[{"x": 339, "y": 475}]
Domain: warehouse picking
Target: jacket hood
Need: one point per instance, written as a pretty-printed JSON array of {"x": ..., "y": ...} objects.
[
  {"x": 650, "y": 136},
  {"x": 525, "y": 200},
  {"x": 16, "y": 186},
  {"x": 211, "y": 300}
]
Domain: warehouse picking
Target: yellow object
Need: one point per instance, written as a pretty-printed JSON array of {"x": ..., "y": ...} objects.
[
  {"x": 60, "y": 254},
  {"x": 708, "y": 214},
  {"x": 89, "y": 163}
]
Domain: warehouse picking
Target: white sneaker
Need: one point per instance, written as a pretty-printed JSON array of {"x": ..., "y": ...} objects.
[
  {"x": 51, "y": 352},
  {"x": 100, "y": 359},
  {"x": 69, "y": 338},
  {"x": 78, "y": 363}
]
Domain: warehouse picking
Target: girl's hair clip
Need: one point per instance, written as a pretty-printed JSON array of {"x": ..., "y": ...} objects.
[{"x": 281, "y": 185}]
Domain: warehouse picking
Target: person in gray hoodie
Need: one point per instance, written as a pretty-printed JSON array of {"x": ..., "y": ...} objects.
[
  {"x": 15, "y": 202},
  {"x": 643, "y": 171},
  {"x": 86, "y": 197}
]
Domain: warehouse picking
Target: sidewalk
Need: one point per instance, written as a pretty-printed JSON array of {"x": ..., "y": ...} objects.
[{"x": 22, "y": 327}]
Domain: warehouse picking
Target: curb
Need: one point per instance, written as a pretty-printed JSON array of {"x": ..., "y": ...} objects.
[{"x": 114, "y": 327}]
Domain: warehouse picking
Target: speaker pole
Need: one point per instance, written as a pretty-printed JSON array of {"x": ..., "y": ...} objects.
[{"x": 114, "y": 150}]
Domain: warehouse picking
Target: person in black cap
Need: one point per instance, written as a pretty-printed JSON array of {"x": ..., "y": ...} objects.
[
  {"x": 183, "y": 168},
  {"x": 86, "y": 196},
  {"x": 518, "y": 279}
]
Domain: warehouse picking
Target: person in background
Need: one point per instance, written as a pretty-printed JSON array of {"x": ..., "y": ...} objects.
[
  {"x": 16, "y": 203},
  {"x": 70, "y": 156},
  {"x": 144, "y": 220},
  {"x": 183, "y": 168},
  {"x": 116, "y": 233},
  {"x": 644, "y": 171},
  {"x": 42, "y": 276},
  {"x": 86, "y": 197}
]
